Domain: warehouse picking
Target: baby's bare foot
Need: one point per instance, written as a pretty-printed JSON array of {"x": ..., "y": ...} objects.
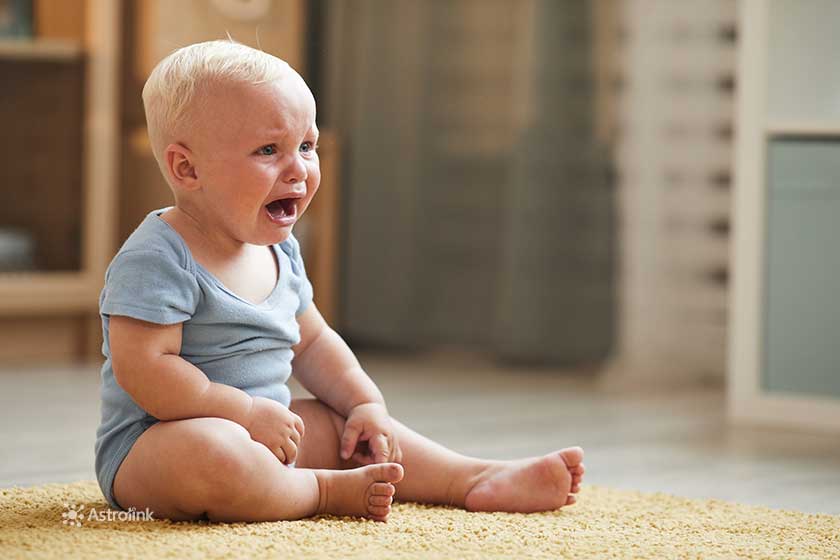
[
  {"x": 363, "y": 492},
  {"x": 529, "y": 485}
]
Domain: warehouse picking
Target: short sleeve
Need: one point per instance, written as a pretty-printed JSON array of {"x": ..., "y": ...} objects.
[
  {"x": 151, "y": 286},
  {"x": 305, "y": 293}
]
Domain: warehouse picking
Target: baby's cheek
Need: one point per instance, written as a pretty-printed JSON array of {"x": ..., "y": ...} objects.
[
  {"x": 312, "y": 184},
  {"x": 314, "y": 176}
]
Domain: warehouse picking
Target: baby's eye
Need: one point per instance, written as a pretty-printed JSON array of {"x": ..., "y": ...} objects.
[
  {"x": 272, "y": 149},
  {"x": 308, "y": 147}
]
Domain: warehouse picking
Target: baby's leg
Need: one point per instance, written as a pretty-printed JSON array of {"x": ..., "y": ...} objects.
[
  {"x": 210, "y": 467},
  {"x": 435, "y": 474}
]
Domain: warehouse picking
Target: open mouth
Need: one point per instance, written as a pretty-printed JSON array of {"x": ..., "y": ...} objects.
[{"x": 282, "y": 210}]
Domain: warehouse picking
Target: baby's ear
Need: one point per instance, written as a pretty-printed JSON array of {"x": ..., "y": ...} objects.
[{"x": 180, "y": 167}]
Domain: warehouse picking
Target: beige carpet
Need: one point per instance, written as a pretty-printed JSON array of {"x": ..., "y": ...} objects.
[{"x": 605, "y": 524}]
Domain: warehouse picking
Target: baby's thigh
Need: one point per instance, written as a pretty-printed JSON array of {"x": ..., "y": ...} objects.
[
  {"x": 180, "y": 468},
  {"x": 319, "y": 447}
]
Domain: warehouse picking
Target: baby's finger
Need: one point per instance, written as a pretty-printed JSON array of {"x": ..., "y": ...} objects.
[
  {"x": 299, "y": 425},
  {"x": 291, "y": 452},
  {"x": 280, "y": 454},
  {"x": 380, "y": 448},
  {"x": 349, "y": 439},
  {"x": 394, "y": 445},
  {"x": 295, "y": 436},
  {"x": 398, "y": 455}
]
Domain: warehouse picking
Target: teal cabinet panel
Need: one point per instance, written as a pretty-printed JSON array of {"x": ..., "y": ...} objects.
[
  {"x": 802, "y": 288},
  {"x": 804, "y": 165}
]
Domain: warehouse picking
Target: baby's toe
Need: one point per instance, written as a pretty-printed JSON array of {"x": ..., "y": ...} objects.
[
  {"x": 572, "y": 456},
  {"x": 379, "y": 500},
  {"x": 379, "y": 513},
  {"x": 575, "y": 488},
  {"x": 383, "y": 489},
  {"x": 570, "y": 500},
  {"x": 387, "y": 472}
]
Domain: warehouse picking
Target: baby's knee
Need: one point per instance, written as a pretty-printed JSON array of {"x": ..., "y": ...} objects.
[{"x": 220, "y": 455}]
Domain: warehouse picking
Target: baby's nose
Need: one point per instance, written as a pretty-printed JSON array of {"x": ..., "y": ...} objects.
[{"x": 295, "y": 172}]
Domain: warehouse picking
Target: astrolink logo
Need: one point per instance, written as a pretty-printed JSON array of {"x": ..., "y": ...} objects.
[{"x": 74, "y": 515}]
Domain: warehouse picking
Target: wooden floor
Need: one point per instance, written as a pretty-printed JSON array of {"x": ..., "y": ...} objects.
[{"x": 676, "y": 442}]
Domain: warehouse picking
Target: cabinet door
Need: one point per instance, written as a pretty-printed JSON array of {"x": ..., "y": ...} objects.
[
  {"x": 41, "y": 164},
  {"x": 802, "y": 292}
]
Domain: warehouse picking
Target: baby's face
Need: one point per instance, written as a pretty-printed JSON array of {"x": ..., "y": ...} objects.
[{"x": 255, "y": 159}]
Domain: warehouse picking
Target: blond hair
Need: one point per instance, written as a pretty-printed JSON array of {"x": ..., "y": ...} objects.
[{"x": 176, "y": 82}]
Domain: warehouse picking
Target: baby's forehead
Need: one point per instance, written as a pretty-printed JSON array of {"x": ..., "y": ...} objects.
[{"x": 284, "y": 104}]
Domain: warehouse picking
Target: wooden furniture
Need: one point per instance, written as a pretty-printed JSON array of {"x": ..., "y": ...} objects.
[
  {"x": 784, "y": 366},
  {"x": 64, "y": 197},
  {"x": 78, "y": 172}
]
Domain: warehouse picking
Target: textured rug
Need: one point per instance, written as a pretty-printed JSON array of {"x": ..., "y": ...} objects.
[{"x": 72, "y": 521}]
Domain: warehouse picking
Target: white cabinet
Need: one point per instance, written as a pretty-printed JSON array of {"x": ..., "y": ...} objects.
[{"x": 784, "y": 365}]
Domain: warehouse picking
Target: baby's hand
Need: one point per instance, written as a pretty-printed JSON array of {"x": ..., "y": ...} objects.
[
  {"x": 370, "y": 424},
  {"x": 276, "y": 427}
]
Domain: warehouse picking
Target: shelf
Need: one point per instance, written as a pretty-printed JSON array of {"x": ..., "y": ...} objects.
[
  {"x": 803, "y": 128},
  {"x": 40, "y": 49},
  {"x": 33, "y": 293}
]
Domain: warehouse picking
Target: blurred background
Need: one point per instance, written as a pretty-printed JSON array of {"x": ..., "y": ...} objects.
[{"x": 524, "y": 225}]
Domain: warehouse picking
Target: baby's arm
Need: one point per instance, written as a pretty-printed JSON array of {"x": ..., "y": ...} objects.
[
  {"x": 326, "y": 366},
  {"x": 147, "y": 365},
  {"x": 328, "y": 369}
]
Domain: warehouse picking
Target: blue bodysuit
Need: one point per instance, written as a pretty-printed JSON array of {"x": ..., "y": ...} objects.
[{"x": 154, "y": 278}]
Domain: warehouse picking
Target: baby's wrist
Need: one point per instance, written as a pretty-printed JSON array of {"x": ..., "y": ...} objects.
[
  {"x": 368, "y": 404},
  {"x": 225, "y": 401},
  {"x": 247, "y": 418}
]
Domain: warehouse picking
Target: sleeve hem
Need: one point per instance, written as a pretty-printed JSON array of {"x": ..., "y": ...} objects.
[
  {"x": 303, "y": 306},
  {"x": 156, "y": 316}
]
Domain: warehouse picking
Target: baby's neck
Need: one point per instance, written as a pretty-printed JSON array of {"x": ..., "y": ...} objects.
[{"x": 211, "y": 244}]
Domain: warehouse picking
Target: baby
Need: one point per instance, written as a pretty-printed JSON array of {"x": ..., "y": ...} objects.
[{"x": 207, "y": 311}]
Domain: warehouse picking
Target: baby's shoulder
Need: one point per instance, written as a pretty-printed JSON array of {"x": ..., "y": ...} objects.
[
  {"x": 151, "y": 278},
  {"x": 155, "y": 243},
  {"x": 292, "y": 249}
]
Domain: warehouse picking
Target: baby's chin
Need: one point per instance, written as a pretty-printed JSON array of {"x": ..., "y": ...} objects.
[{"x": 279, "y": 236}]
